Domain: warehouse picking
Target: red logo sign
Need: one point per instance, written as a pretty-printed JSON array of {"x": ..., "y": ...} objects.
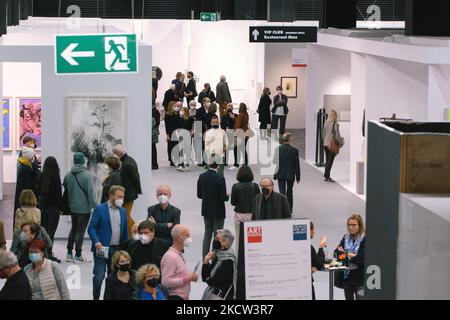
[{"x": 254, "y": 234}]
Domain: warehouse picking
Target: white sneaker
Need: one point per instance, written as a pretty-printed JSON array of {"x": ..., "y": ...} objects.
[
  {"x": 180, "y": 168},
  {"x": 232, "y": 168},
  {"x": 69, "y": 258},
  {"x": 81, "y": 259},
  {"x": 186, "y": 168}
]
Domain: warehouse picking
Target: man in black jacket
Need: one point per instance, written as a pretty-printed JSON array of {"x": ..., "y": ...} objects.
[
  {"x": 207, "y": 93},
  {"x": 287, "y": 170},
  {"x": 17, "y": 286},
  {"x": 212, "y": 189},
  {"x": 191, "y": 88},
  {"x": 270, "y": 204},
  {"x": 131, "y": 181},
  {"x": 202, "y": 115},
  {"x": 148, "y": 249},
  {"x": 169, "y": 96},
  {"x": 280, "y": 110},
  {"x": 164, "y": 215}
]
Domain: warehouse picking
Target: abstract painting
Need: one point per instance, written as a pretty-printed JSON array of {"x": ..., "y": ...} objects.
[
  {"x": 30, "y": 120},
  {"x": 6, "y": 110},
  {"x": 94, "y": 126},
  {"x": 289, "y": 85}
]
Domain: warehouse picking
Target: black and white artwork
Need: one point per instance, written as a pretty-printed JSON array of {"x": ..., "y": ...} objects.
[{"x": 94, "y": 126}]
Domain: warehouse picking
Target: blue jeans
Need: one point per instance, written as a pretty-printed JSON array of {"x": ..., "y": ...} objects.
[{"x": 101, "y": 265}]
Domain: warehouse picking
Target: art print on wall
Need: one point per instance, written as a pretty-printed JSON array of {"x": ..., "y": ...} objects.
[
  {"x": 289, "y": 85},
  {"x": 6, "y": 111},
  {"x": 30, "y": 120},
  {"x": 94, "y": 126}
]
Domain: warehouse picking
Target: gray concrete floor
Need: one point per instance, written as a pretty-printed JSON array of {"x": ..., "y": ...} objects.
[{"x": 327, "y": 205}]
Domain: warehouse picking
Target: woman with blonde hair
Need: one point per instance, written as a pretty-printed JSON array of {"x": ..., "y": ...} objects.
[
  {"x": 121, "y": 283},
  {"x": 27, "y": 211},
  {"x": 330, "y": 134},
  {"x": 351, "y": 251},
  {"x": 149, "y": 288}
]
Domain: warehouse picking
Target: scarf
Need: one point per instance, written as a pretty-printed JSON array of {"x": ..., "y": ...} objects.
[
  {"x": 25, "y": 162},
  {"x": 223, "y": 255},
  {"x": 351, "y": 245}
]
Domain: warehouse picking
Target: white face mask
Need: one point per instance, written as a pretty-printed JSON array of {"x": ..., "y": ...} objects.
[
  {"x": 163, "y": 199},
  {"x": 176, "y": 109},
  {"x": 118, "y": 203},
  {"x": 279, "y": 92},
  {"x": 136, "y": 237},
  {"x": 144, "y": 239},
  {"x": 188, "y": 242}
]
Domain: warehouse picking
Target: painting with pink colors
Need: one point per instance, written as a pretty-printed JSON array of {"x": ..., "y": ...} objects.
[{"x": 30, "y": 120}]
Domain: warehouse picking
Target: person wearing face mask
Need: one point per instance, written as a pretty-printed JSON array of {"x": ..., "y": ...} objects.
[
  {"x": 147, "y": 278},
  {"x": 112, "y": 164},
  {"x": 175, "y": 275},
  {"x": 223, "y": 95},
  {"x": 219, "y": 269},
  {"x": 184, "y": 133},
  {"x": 26, "y": 176},
  {"x": 121, "y": 283},
  {"x": 280, "y": 111},
  {"x": 206, "y": 93},
  {"x": 22, "y": 238},
  {"x": 79, "y": 183},
  {"x": 191, "y": 89},
  {"x": 264, "y": 112},
  {"x": 216, "y": 144},
  {"x": 30, "y": 142},
  {"x": 148, "y": 249},
  {"x": 46, "y": 277},
  {"x": 173, "y": 122},
  {"x": 169, "y": 96},
  {"x": 164, "y": 215},
  {"x": 201, "y": 120},
  {"x": 17, "y": 286},
  {"x": 270, "y": 204},
  {"x": 180, "y": 88},
  {"x": 108, "y": 230}
]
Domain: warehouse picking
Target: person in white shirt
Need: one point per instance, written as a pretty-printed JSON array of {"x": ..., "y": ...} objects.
[{"x": 216, "y": 144}]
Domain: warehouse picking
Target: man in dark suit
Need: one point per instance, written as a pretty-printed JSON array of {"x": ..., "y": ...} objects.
[
  {"x": 223, "y": 96},
  {"x": 287, "y": 170},
  {"x": 212, "y": 189},
  {"x": 107, "y": 230},
  {"x": 202, "y": 115},
  {"x": 169, "y": 96},
  {"x": 270, "y": 204},
  {"x": 280, "y": 110},
  {"x": 148, "y": 249},
  {"x": 131, "y": 181},
  {"x": 191, "y": 88}
]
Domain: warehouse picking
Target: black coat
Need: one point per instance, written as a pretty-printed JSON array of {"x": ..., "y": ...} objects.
[
  {"x": 242, "y": 195},
  {"x": 170, "y": 215},
  {"x": 131, "y": 180},
  {"x": 356, "y": 276},
  {"x": 173, "y": 122},
  {"x": 223, "y": 277},
  {"x": 212, "y": 189},
  {"x": 227, "y": 122},
  {"x": 26, "y": 179},
  {"x": 191, "y": 87},
  {"x": 117, "y": 290},
  {"x": 51, "y": 198},
  {"x": 288, "y": 163},
  {"x": 169, "y": 96},
  {"x": 200, "y": 115},
  {"x": 280, "y": 207},
  {"x": 277, "y": 102},
  {"x": 158, "y": 248},
  {"x": 157, "y": 116},
  {"x": 264, "y": 109},
  {"x": 114, "y": 179},
  {"x": 206, "y": 94},
  {"x": 17, "y": 287}
]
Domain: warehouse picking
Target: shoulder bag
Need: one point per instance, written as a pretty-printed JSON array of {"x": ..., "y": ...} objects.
[
  {"x": 65, "y": 208},
  {"x": 334, "y": 145}
]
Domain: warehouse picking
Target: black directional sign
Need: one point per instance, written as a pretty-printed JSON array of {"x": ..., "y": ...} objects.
[{"x": 283, "y": 34}]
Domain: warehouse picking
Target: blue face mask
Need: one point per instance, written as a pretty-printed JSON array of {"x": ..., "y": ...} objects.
[{"x": 35, "y": 257}]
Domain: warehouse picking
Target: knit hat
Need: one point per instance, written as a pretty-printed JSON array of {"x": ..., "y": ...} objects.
[
  {"x": 28, "y": 153},
  {"x": 78, "y": 158}
]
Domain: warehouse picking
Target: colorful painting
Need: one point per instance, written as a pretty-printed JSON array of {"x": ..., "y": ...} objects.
[
  {"x": 6, "y": 123},
  {"x": 30, "y": 119}
]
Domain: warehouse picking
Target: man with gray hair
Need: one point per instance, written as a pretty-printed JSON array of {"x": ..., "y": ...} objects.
[
  {"x": 169, "y": 96},
  {"x": 131, "y": 181},
  {"x": 17, "y": 286},
  {"x": 223, "y": 95},
  {"x": 270, "y": 204},
  {"x": 287, "y": 161}
]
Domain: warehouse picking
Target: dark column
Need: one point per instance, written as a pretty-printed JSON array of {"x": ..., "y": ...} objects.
[
  {"x": 3, "y": 17},
  {"x": 281, "y": 10},
  {"x": 427, "y": 18},
  {"x": 245, "y": 9},
  {"x": 338, "y": 14}
]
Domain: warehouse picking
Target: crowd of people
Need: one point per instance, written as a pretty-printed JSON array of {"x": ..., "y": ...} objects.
[{"x": 144, "y": 260}]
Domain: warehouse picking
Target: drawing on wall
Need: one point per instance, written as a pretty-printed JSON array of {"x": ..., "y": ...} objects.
[
  {"x": 30, "y": 120},
  {"x": 94, "y": 126},
  {"x": 289, "y": 85},
  {"x": 6, "y": 110}
]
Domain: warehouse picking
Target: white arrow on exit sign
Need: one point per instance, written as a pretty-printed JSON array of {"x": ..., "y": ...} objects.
[{"x": 69, "y": 54}]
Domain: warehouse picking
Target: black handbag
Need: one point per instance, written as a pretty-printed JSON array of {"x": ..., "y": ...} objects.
[
  {"x": 339, "y": 280},
  {"x": 65, "y": 209}
]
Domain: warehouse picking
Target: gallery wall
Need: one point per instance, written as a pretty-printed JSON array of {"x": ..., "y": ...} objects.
[{"x": 278, "y": 63}]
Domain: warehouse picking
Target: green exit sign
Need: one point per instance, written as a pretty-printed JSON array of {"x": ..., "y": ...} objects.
[
  {"x": 105, "y": 53},
  {"x": 208, "y": 16}
]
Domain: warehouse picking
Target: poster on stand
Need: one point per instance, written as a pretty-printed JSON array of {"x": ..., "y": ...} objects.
[
  {"x": 94, "y": 126},
  {"x": 277, "y": 256},
  {"x": 29, "y": 120},
  {"x": 6, "y": 110}
]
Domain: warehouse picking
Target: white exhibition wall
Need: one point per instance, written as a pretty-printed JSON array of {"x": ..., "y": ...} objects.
[{"x": 278, "y": 63}]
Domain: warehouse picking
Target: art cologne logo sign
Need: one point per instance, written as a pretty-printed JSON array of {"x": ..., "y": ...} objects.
[{"x": 254, "y": 234}]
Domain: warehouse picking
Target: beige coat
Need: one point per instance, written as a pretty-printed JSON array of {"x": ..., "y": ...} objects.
[{"x": 27, "y": 214}]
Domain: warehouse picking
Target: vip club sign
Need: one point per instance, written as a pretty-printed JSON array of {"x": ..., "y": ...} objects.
[{"x": 105, "y": 53}]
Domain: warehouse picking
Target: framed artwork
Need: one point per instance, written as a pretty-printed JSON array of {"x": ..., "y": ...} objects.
[
  {"x": 289, "y": 85},
  {"x": 6, "y": 111},
  {"x": 29, "y": 120},
  {"x": 94, "y": 126}
]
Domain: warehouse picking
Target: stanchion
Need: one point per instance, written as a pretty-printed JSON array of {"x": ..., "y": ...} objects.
[{"x": 321, "y": 118}]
